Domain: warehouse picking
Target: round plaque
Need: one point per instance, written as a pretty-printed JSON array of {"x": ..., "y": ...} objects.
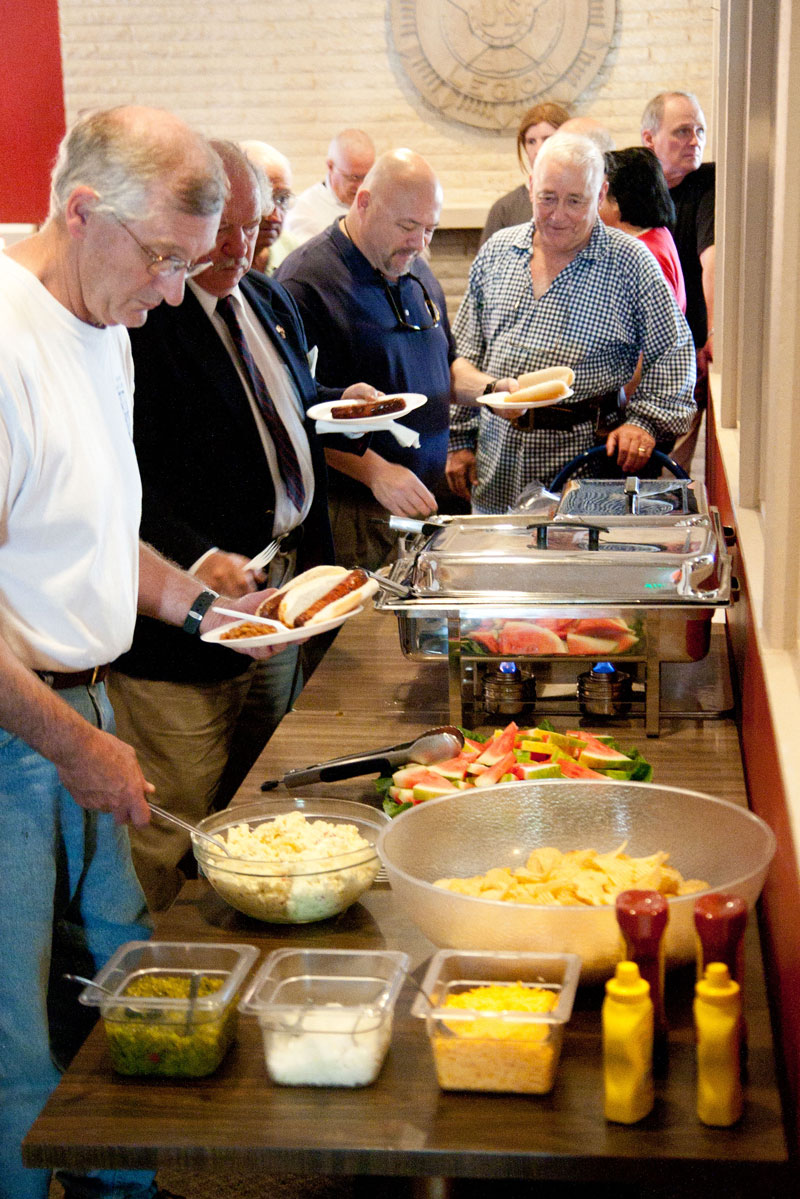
[{"x": 479, "y": 62}]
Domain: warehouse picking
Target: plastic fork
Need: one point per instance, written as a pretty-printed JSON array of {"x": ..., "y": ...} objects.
[{"x": 265, "y": 557}]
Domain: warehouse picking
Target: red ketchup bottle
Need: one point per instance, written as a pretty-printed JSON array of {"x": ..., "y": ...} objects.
[
  {"x": 720, "y": 921},
  {"x": 642, "y": 917}
]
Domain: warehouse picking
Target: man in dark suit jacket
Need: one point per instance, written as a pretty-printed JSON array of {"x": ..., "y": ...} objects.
[{"x": 216, "y": 490}]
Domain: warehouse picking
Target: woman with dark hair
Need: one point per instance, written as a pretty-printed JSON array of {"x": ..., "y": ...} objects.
[
  {"x": 639, "y": 203},
  {"x": 535, "y": 126}
]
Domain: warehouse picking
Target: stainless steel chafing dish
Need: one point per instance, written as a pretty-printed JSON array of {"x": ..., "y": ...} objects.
[{"x": 623, "y": 571}]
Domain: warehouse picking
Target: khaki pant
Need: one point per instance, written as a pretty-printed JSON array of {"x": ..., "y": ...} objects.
[
  {"x": 182, "y": 735},
  {"x": 361, "y": 532}
]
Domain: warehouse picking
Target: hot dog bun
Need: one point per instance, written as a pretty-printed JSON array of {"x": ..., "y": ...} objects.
[
  {"x": 554, "y": 389},
  {"x": 565, "y": 373},
  {"x": 317, "y": 595}
]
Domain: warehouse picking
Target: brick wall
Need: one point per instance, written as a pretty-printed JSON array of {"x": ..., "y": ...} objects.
[{"x": 294, "y": 74}]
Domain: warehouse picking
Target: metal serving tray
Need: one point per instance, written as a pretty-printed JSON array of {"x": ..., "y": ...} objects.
[
  {"x": 491, "y": 561},
  {"x": 548, "y": 593}
]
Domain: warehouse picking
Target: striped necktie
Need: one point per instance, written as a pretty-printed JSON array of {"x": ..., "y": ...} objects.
[{"x": 288, "y": 464}]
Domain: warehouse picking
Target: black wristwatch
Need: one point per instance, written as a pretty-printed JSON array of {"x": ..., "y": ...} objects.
[
  {"x": 489, "y": 388},
  {"x": 200, "y": 606}
]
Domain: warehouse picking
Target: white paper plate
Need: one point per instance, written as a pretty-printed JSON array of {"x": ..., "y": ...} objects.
[
  {"x": 411, "y": 400},
  {"x": 282, "y": 635},
  {"x": 502, "y": 399}
]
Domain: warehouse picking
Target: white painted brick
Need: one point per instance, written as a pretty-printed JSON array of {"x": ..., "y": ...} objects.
[{"x": 294, "y": 74}]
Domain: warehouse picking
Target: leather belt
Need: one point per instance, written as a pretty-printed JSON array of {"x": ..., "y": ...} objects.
[
  {"x": 601, "y": 409},
  {"x": 62, "y": 680}
]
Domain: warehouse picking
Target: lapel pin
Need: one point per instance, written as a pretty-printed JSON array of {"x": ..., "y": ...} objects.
[{"x": 280, "y": 330}]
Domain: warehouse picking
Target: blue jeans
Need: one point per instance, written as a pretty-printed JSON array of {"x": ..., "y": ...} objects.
[{"x": 70, "y": 898}]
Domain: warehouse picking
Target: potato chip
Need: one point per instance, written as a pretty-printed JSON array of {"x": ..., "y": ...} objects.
[{"x": 578, "y": 877}]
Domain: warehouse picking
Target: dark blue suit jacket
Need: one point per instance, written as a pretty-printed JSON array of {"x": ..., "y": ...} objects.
[{"x": 205, "y": 478}]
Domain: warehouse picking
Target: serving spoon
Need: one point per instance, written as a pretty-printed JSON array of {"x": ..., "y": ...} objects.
[
  {"x": 88, "y": 982},
  {"x": 217, "y": 842}
]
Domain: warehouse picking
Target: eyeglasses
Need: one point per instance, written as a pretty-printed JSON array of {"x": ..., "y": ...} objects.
[
  {"x": 283, "y": 199},
  {"x": 349, "y": 178},
  {"x": 165, "y": 265},
  {"x": 401, "y": 320}
]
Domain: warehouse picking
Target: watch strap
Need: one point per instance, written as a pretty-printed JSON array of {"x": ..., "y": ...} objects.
[{"x": 200, "y": 605}]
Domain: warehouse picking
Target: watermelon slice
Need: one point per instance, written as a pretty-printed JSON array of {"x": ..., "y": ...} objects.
[
  {"x": 540, "y": 770},
  {"x": 570, "y": 745},
  {"x": 556, "y": 624},
  {"x": 596, "y": 647},
  {"x": 499, "y": 746},
  {"x": 431, "y": 786},
  {"x": 571, "y": 770},
  {"x": 495, "y": 773},
  {"x": 412, "y": 776},
  {"x": 453, "y": 768},
  {"x": 600, "y": 626},
  {"x": 487, "y": 639},
  {"x": 523, "y": 637},
  {"x": 401, "y": 794},
  {"x": 599, "y": 757}
]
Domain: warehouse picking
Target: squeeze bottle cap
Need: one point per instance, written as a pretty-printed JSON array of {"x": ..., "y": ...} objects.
[
  {"x": 627, "y": 985},
  {"x": 716, "y": 985},
  {"x": 642, "y": 917},
  {"x": 720, "y": 922}
]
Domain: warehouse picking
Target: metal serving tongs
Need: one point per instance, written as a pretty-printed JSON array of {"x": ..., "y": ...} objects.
[{"x": 434, "y": 746}]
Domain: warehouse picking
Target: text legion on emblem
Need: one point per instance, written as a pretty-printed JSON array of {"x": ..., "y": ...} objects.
[{"x": 479, "y": 62}]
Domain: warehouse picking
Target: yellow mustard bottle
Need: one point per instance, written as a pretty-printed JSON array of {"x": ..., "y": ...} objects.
[
  {"x": 627, "y": 1046},
  {"x": 718, "y": 1023}
]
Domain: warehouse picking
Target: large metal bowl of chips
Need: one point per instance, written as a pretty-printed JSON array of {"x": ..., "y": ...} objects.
[{"x": 472, "y": 832}]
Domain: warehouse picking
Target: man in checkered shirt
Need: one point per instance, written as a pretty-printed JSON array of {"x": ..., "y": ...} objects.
[{"x": 565, "y": 291}]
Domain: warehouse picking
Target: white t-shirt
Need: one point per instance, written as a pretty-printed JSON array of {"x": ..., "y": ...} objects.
[
  {"x": 315, "y": 209},
  {"x": 70, "y": 495}
]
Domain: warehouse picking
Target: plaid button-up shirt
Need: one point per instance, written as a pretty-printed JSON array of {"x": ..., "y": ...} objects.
[{"x": 610, "y": 304}]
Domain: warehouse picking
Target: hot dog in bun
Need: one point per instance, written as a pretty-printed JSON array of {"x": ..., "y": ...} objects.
[
  {"x": 552, "y": 383},
  {"x": 317, "y": 595}
]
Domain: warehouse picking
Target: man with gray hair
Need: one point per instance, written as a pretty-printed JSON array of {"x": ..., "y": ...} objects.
[
  {"x": 600, "y": 300},
  {"x": 674, "y": 128},
  {"x": 272, "y": 244},
  {"x": 228, "y": 463},
  {"x": 136, "y": 199},
  {"x": 350, "y": 156}
]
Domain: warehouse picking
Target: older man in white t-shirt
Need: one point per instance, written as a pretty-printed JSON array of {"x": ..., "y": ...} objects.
[{"x": 135, "y": 206}]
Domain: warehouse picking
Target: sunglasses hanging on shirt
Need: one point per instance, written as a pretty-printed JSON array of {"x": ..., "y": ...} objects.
[{"x": 402, "y": 320}]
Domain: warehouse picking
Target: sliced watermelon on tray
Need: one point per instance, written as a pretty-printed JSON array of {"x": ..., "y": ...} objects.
[{"x": 514, "y": 754}]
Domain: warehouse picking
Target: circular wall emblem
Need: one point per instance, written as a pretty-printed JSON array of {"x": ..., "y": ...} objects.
[{"x": 479, "y": 62}]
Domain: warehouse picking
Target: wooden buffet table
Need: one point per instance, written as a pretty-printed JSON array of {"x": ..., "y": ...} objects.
[{"x": 365, "y": 695}]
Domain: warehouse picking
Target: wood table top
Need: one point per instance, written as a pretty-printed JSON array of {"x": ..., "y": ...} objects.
[{"x": 404, "y": 1124}]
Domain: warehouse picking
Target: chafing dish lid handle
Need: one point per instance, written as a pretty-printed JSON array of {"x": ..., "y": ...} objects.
[{"x": 541, "y": 527}]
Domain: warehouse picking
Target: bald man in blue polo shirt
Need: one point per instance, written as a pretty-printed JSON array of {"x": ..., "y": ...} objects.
[{"x": 371, "y": 304}]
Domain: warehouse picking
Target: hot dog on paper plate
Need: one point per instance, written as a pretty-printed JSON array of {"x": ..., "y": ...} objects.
[
  {"x": 551, "y": 383},
  {"x": 318, "y": 595}
]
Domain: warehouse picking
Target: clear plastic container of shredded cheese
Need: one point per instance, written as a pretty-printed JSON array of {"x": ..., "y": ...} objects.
[
  {"x": 496, "y": 1020},
  {"x": 326, "y": 1014}
]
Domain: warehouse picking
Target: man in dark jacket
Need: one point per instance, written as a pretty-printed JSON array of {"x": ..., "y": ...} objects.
[{"x": 228, "y": 462}]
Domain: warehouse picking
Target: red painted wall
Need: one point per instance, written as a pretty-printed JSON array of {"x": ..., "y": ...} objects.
[
  {"x": 781, "y": 895},
  {"x": 31, "y": 104}
]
